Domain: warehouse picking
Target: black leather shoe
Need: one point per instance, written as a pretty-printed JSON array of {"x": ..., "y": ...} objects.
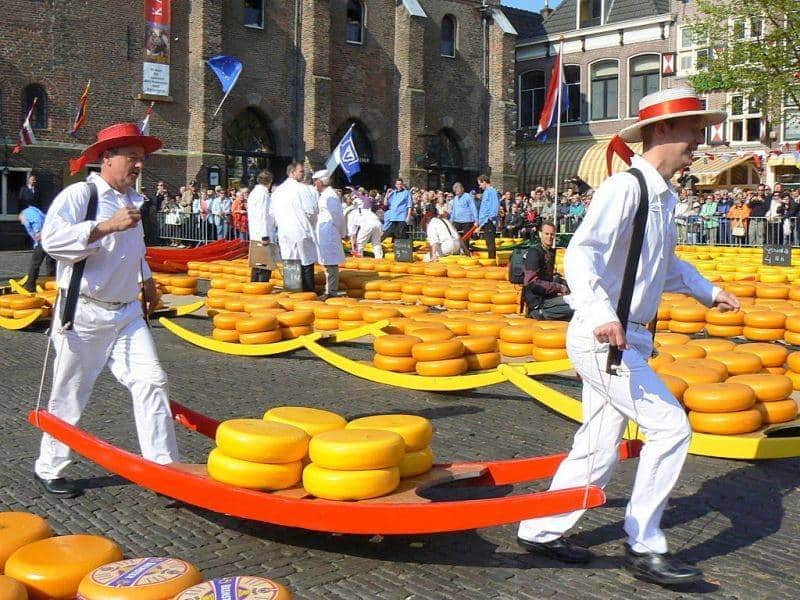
[
  {"x": 560, "y": 549},
  {"x": 63, "y": 488},
  {"x": 662, "y": 569}
]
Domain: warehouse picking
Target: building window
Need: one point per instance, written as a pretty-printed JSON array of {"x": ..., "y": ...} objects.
[
  {"x": 39, "y": 115},
  {"x": 644, "y": 78},
  {"x": 744, "y": 121},
  {"x": 605, "y": 90},
  {"x": 591, "y": 13},
  {"x": 12, "y": 180},
  {"x": 254, "y": 13},
  {"x": 692, "y": 53},
  {"x": 355, "y": 22},
  {"x": 448, "y": 36},
  {"x": 572, "y": 79},
  {"x": 531, "y": 97}
]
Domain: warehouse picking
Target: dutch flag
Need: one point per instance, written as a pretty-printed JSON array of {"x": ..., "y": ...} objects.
[{"x": 550, "y": 110}]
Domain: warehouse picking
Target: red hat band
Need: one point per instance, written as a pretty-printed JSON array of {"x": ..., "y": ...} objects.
[{"x": 671, "y": 107}]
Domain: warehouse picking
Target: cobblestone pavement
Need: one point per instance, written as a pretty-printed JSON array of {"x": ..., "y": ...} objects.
[{"x": 737, "y": 520}]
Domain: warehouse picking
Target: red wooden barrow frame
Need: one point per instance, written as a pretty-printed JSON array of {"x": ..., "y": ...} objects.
[{"x": 403, "y": 512}]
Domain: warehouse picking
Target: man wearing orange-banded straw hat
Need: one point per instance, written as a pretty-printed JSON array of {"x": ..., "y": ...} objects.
[
  {"x": 93, "y": 229},
  {"x": 599, "y": 272}
]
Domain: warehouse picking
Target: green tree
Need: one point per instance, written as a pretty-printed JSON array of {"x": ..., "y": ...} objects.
[{"x": 754, "y": 48}]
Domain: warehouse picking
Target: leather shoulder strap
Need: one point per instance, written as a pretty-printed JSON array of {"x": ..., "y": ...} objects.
[
  {"x": 71, "y": 301},
  {"x": 631, "y": 266}
]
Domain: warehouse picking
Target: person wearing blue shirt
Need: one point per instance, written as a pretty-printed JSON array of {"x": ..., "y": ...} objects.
[
  {"x": 465, "y": 215},
  {"x": 32, "y": 220},
  {"x": 488, "y": 213},
  {"x": 398, "y": 213}
]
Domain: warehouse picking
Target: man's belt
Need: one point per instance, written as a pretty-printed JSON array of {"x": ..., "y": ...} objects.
[{"x": 100, "y": 303}]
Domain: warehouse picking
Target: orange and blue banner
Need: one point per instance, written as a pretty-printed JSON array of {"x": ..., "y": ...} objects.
[{"x": 83, "y": 110}]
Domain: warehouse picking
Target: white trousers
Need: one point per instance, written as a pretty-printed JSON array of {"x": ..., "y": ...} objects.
[
  {"x": 608, "y": 403},
  {"x": 121, "y": 340},
  {"x": 372, "y": 234}
]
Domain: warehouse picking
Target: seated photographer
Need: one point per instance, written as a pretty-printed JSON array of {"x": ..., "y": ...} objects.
[{"x": 544, "y": 290}]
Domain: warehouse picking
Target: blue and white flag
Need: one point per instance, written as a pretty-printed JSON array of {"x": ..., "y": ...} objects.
[
  {"x": 227, "y": 69},
  {"x": 345, "y": 156}
]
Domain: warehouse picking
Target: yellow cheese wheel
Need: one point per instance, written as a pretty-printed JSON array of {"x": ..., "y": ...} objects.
[
  {"x": 430, "y": 334},
  {"x": 263, "y": 337},
  {"x": 11, "y": 589},
  {"x": 505, "y": 309},
  {"x": 225, "y": 335},
  {"x": 395, "y": 345},
  {"x": 759, "y": 334},
  {"x": 719, "y": 397},
  {"x": 457, "y": 293},
  {"x": 772, "y": 355},
  {"x": 299, "y": 296},
  {"x": 457, "y": 326},
  {"x": 671, "y": 339},
  {"x": 438, "y": 350},
  {"x": 252, "y": 475},
  {"x": 479, "y": 344},
  {"x": 514, "y": 350},
  {"x": 511, "y": 298},
  {"x": 416, "y": 463},
  {"x": 480, "y": 296},
  {"x": 486, "y": 328},
  {"x": 253, "y": 302},
  {"x": 398, "y": 364},
  {"x": 738, "y": 363},
  {"x": 765, "y": 319},
  {"x": 290, "y": 333},
  {"x": 181, "y": 291},
  {"x": 793, "y": 361},
  {"x": 696, "y": 370},
  {"x": 234, "y": 304},
  {"x": 261, "y": 441},
  {"x": 676, "y": 385},
  {"x": 234, "y": 286},
  {"x": 295, "y": 318},
  {"x": 25, "y": 302},
  {"x": 686, "y": 326},
  {"x": 724, "y": 331},
  {"x": 332, "y": 484},
  {"x": 767, "y": 387},
  {"x": 413, "y": 311},
  {"x": 356, "y": 449},
  {"x": 658, "y": 361},
  {"x": 53, "y": 568},
  {"x": 347, "y": 325},
  {"x": 742, "y": 290},
  {"x": 682, "y": 351},
  {"x": 517, "y": 334},
  {"x": 479, "y": 307},
  {"x": 257, "y": 287},
  {"x": 373, "y": 315},
  {"x": 777, "y": 412},
  {"x": 311, "y": 420},
  {"x": 688, "y": 313},
  {"x": 795, "y": 377},
  {"x": 18, "y": 529},
  {"x": 433, "y": 291},
  {"x": 731, "y": 423},
  {"x": 482, "y": 361},
  {"x": 417, "y": 432},
  {"x": 772, "y": 291},
  {"x": 257, "y": 324},
  {"x": 228, "y": 320},
  {"x": 326, "y": 324},
  {"x": 793, "y": 323},
  {"x": 236, "y": 588},
  {"x": 713, "y": 345},
  {"x": 152, "y": 578},
  {"x": 442, "y": 368},
  {"x": 545, "y": 354},
  {"x": 791, "y": 337},
  {"x": 217, "y": 303}
]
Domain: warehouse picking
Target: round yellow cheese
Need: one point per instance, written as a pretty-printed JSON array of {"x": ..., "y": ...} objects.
[
  {"x": 18, "y": 529},
  {"x": 11, "y": 589},
  {"x": 417, "y": 432},
  {"x": 236, "y": 588},
  {"x": 331, "y": 484},
  {"x": 152, "y": 578},
  {"x": 356, "y": 449},
  {"x": 261, "y": 441},
  {"x": 252, "y": 475},
  {"x": 311, "y": 420},
  {"x": 416, "y": 463}
]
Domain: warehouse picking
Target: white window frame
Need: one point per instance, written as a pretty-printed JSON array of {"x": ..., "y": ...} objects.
[
  {"x": 519, "y": 97},
  {"x": 748, "y": 27},
  {"x": 263, "y": 17},
  {"x": 589, "y": 88},
  {"x": 692, "y": 51},
  {"x": 363, "y": 24},
  {"x": 634, "y": 114},
  {"x": 604, "y": 7},
  {"x": 455, "y": 37},
  {"x": 743, "y": 118},
  {"x": 4, "y": 171},
  {"x": 580, "y": 90}
]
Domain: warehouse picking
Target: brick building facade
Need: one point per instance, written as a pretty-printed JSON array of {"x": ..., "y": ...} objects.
[{"x": 427, "y": 84}]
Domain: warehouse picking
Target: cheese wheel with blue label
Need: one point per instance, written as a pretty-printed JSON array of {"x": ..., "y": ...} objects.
[
  {"x": 152, "y": 578},
  {"x": 236, "y": 588}
]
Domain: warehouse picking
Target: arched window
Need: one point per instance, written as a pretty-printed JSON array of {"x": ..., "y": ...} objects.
[
  {"x": 531, "y": 97},
  {"x": 355, "y": 22},
  {"x": 572, "y": 79},
  {"x": 448, "y": 36},
  {"x": 444, "y": 152},
  {"x": 644, "y": 78},
  {"x": 39, "y": 115},
  {"x": 249, "y": 133},
  {"x": 605, "y": 90}
]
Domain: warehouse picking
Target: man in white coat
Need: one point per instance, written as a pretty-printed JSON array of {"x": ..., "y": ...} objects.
[
  {"x": 260, "y": 223},
  {"x": 294, "y": 208},
  {"x": 442, "y": 236},
  {"x": 364, "y": 226},
  {"x": 330, "y": 231}
]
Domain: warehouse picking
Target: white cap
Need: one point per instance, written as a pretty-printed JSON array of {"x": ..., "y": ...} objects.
[{"x": 322, "y": 174}]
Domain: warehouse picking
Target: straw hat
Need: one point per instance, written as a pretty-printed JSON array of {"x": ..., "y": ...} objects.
[{"x": 116, "y": 136}]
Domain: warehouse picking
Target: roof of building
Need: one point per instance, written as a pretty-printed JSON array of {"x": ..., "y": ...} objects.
[{"x": 528, "y": 24}]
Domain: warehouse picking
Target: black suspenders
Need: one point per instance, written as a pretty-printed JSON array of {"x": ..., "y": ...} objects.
[{"x": 71, "y": 300}]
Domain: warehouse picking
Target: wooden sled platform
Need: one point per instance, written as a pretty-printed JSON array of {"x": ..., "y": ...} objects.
[{"x": 409, "y": 510}]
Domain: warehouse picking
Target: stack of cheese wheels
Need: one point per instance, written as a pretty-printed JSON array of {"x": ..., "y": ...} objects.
[
  {"x": 326, "y": 317},
  {"x": 671, "y": 339},
  {"x": 696, "y": 370},
  {"x": 18, "y": 529},
  {"x": 738, "y": 363},
  {"x": 311, "y": 420},
  {"x": 236, "y": 588},
  {"x": 481, "y": 352},
  {"x": 225, "y": 326},
  {"x": 258, "y": 454},
  {"x": 662, "y": 318},
  {"x": 722, "y": 408},
  {"x": 443, "y": 357},
  {"x": 773, "y": 396},
  {"x": 793, "y": 369},
  {"x": 11, "y": 589},
  {"x": 687, "y": 318},
  {"x": 393, "y": 352},
  {"x": 516, "y": 341},
  {"x": 764, "y": 325},
  {"x": 792, "y": 333},
  {"x": 353, "y": 464},
  {"x": 773, "y": 356},
  {"x": 550, "y": 340},
  {"x": 724, "y": 324},
  {"x": 259, "y": 329},
  {"x": 675, "y": 385},
  {"x": 505, "y": 302},
  {"x": 18, "y": 306},
  {"x": 54, "y": 567},
  {"x": 295, "y": 323},
  {"x": 679, "y": 351},
  {"x": 351, "y": 317},
  {"x": 417, "y": 434},
  {"x": 181, "y": 285},
  {"x": 152, "y": 578}
]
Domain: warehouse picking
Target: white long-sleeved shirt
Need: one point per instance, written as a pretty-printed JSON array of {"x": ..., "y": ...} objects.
[
  {"x": 443, "y": 233},
  {"x": 112, "y": 266},
  {"x": 259, "y": 221},
  {"x": 596, "y": 256}
]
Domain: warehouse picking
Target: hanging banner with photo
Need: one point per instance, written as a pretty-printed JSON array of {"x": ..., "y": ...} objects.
[{"x": 155, "y": 68}]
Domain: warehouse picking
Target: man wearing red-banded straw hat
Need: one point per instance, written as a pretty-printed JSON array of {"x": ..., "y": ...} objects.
[
  {"x": 98, "y": 321},
  {"x": 671, "y": 125}
]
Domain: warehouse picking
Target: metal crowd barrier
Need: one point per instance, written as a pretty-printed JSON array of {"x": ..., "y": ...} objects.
[
  {"x": 193, "y": 228},
  {"x": 753, "y": 232}
]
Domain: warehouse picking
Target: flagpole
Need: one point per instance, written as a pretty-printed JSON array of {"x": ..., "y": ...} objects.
[
  {"x": 226, "y": 94},
  {"x": 558, "y": 127}
]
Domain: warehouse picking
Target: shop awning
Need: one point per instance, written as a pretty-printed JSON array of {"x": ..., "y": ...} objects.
[
  {"x": 783, "y": 160},
  {"x": 708, "y": 170}
]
